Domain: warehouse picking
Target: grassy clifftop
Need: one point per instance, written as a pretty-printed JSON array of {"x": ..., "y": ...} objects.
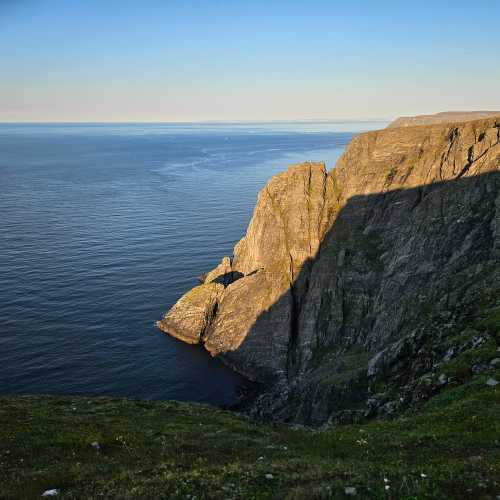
[{"x": 450, "y": 449}]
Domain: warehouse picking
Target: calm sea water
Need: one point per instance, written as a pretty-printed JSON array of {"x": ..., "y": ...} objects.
[{"x": 103, "y": 227}]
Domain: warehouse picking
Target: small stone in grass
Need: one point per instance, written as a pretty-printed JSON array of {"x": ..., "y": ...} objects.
[
  {"x": 50, "y": 493},
  {"x": 350, "y": 490},
  {"x": 492, "y": 382},
  {"x": 269, "y": 476}
]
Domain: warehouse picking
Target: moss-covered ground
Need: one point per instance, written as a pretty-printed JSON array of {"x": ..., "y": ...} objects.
[{"x": 150, "y": 450}]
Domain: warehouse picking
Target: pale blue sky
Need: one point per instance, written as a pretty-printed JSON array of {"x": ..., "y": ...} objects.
[{"x": 166, "y": 60}]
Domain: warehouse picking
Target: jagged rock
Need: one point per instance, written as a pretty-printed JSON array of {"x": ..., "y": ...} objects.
[
  {"x": 190, "y": 317},
  {"x": 388, "y": 408},
  {"x": 342, "y": 274},
  {"x": 375, "y": 364},
  {"x": 477, "y": 341},
  {"x": 478, "y": 368},
  {"x": 450, "y": 354}
]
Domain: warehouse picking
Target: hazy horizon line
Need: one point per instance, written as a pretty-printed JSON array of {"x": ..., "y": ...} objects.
[{"x": 296, "y": 120}]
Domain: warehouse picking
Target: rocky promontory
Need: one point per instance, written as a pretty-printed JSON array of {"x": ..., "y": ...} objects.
[{"x": 350, "y": 286}]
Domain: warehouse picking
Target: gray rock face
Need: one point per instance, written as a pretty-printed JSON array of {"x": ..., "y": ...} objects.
[{"x": 340, "y": 273}]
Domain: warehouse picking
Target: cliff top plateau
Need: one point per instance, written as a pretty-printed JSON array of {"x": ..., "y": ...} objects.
[{"x": 444, "y": 117}]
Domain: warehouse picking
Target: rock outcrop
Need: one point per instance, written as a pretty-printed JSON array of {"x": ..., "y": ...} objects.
[
  {"x": 259, "y": 298},
  {"x": 192, "y": 315},
  {"x": 340, "y": 277}
]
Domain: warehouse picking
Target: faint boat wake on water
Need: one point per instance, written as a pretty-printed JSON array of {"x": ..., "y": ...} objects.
[{"x": 105, "y": 226}]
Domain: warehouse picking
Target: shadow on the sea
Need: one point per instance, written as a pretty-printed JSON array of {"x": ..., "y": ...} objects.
[{"x": 389, "y": 263}]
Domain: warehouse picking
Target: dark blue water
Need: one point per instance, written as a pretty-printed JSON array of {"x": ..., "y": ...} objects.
[{"x": 103, "y": 227}]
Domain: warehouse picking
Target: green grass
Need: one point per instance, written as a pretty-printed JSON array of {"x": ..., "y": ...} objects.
[
  {"x": 171, "y": 450},
  {"x": 491, "y": 320}
]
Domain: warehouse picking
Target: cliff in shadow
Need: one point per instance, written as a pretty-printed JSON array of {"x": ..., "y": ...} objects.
[{"x": 348, "y": 290}]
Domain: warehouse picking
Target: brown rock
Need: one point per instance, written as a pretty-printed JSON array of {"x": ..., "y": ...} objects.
[{"x": 192, "y": 314}]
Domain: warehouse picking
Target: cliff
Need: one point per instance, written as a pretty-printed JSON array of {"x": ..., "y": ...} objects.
[
  {"x": 445, "y": 117},
  {"x": 348, "y": 293}
]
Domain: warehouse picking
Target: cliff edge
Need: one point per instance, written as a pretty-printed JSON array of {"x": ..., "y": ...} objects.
[
  {"x": 350, "y": 287},
  {"x": 444, "y": 117}
]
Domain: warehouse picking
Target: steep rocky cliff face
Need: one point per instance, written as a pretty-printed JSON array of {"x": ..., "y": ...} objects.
[
  {"x": 247, "y": 307},
  {"x": 352, "y": 280}
]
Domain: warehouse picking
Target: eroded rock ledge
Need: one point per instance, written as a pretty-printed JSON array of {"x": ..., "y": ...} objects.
[{"x": 341, "y": 275}]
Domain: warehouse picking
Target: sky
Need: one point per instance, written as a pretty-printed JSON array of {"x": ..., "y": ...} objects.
[{"x": 168, "y": 60}]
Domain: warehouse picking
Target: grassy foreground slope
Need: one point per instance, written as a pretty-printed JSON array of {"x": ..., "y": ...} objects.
[{"x": 450, "y": 449}]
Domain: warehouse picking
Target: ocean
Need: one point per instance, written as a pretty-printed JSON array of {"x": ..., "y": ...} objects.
[{"x": 104, "y": 226}]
